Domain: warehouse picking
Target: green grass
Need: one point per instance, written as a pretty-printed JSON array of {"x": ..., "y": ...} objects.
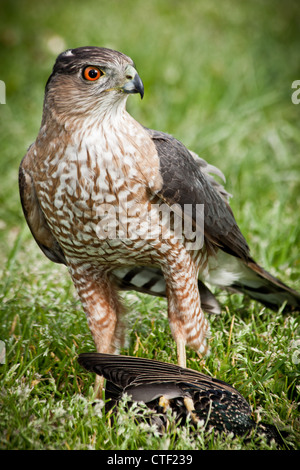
[{"x": 219, "y": 79}]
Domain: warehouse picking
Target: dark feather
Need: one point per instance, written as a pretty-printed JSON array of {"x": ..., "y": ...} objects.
[
  {"x": 269, "y": 290},
  {"x": 185, "y": 183},
  {"x": 215, "y": 402}
]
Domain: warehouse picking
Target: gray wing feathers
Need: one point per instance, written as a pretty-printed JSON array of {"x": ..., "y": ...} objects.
[
  {"x": 184, "y": 182},
  {"x": 210, "y": 170}
]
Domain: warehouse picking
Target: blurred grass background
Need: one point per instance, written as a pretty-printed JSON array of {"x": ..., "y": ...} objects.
[{"x": 217, "y": 76}]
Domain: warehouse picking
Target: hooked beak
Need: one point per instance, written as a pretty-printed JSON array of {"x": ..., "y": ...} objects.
[{"x": 134, "y": 83}]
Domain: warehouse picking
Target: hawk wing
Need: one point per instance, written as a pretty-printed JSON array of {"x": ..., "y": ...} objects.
[
  {"x": 35, "y": 217},
  {"x": 185, "y": 183}
]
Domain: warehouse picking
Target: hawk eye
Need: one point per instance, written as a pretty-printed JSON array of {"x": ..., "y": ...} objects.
[{"x": 92, "y": 73}]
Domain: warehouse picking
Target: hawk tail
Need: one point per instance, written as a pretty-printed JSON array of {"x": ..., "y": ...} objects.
[
  {"x": 232, "y": 274},
  {"x": 260, "y": 285},
  {"x": 150, "y": 280}
]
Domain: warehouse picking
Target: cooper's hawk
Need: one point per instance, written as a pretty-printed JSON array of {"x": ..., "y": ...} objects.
[
  {"x": 186, "y": 392},
  {"x": 91, "y": 164}
]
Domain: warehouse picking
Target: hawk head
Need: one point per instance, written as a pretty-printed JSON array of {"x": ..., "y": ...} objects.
[{"x": 88, "y": 81}]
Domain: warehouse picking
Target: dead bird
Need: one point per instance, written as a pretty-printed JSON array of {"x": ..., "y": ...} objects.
[{"x": 191, "y": 395}]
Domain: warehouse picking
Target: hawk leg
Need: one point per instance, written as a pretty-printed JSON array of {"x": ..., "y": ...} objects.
[
  {"x": 103, "y": 310},
  {"x": 181, "y": 353},
  {"x": 187, "y": 321}
]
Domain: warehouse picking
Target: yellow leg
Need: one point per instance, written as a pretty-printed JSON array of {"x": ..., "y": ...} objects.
[
  {"x": 164, "y": 403},
  {"x": 181, "y": 354},
  {"x": 99, "y": 386},
  {"x": 189, "y": 404}
]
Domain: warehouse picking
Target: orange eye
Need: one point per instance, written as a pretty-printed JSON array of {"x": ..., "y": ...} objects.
[{"x": 92, "y": 73}]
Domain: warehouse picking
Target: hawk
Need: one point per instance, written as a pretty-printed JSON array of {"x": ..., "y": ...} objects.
[{"x": 93, "y": 163}]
